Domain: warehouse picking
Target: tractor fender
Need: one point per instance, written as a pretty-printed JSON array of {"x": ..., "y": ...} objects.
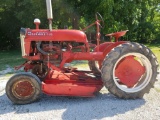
[{"x": 106, "y": 47}]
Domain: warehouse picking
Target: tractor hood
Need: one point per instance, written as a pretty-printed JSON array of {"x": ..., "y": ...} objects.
[{"x": 55, "y": 35}]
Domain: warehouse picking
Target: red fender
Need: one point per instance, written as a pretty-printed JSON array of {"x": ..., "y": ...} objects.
[{"x": 106, "y": 47}]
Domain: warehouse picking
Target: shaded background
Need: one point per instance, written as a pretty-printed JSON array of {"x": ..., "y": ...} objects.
[{"x": 140, "y": 17}]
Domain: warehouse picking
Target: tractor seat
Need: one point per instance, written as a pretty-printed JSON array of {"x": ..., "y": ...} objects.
[{"x": 117, "y": 34}]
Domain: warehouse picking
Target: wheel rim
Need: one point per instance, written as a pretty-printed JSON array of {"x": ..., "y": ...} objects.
[
  {"x": 23, "y": 89},
  {"x": 132, "y": 72}
]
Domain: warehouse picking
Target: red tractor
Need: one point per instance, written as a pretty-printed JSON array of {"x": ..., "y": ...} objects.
[{"x": 127, "y": 69}]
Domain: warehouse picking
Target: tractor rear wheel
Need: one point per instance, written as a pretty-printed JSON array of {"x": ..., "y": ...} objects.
[
  {"x": 129, "y": 70},
  {"x": 23, "y": 88}
]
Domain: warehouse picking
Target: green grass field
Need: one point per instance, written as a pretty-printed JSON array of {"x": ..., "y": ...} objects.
[
  {"x": 10, "y": 59},
  {"x": 14, "y": 58},
  {"x": 156, "y": 50}
]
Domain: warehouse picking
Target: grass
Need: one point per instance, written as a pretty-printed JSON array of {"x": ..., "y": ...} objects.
[
  {"x": 80, "y": 63},
  {"x": 14, "y": 58},
  {"x": 155, "y": 48},
  {"x": 10, "y": 59}
]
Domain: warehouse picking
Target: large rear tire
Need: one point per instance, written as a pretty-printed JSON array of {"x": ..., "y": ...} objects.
[
  {"x": 129, "y": 70},
  {"x": 23, "y": 88}
]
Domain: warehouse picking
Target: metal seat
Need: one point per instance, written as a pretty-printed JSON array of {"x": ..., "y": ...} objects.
[{"x": 117, "y": 35}]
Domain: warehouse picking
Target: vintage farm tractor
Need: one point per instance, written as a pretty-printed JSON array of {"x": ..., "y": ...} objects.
[{"x": 127, "y": 69}]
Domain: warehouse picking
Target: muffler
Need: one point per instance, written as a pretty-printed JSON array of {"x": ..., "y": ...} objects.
[{"x": 49, "y": 13}]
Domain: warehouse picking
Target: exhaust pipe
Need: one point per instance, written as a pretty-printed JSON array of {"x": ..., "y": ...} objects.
[{"x": 49, "y": 13}]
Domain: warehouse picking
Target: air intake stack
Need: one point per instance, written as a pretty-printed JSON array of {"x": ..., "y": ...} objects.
[{"x": 49, "y": 13}]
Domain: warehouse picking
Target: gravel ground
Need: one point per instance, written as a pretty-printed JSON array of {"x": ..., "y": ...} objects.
[{"x": 102, "y": 107}]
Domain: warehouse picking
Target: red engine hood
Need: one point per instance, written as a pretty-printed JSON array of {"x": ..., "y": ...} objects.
[{"x": 55, "y": 35}]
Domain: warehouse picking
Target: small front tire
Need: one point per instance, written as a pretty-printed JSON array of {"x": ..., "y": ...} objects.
[{"x": 23, "y": 88}]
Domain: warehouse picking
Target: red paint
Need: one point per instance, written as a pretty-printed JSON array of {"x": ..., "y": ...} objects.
[
  {"x": 111, "y": 46},
  {"x": 117, "y": 35},
  {"x": 129, "y": 71},
  {"x": 76, "y": 83},
  {"x": 35, "y": 57},
  {"x": 27, "y": 66},
  {"x": 56, "y": 35},
  {"x": 60, "y": 80},
  {"x": 70, "y": 56},
  {"x": 106, "y": 47}
]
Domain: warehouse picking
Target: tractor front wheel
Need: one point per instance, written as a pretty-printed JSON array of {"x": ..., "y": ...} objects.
[
  {"x": 129, "y": 70},
  {"x": 23, "y": 88}
]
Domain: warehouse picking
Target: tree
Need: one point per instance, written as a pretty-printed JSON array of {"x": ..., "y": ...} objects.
[{"x": 140, "y": 17}]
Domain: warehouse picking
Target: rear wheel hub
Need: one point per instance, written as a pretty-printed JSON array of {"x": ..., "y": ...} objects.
[
  {"x": 129, "y": 71},
  {"x": 132, "y": 72}
]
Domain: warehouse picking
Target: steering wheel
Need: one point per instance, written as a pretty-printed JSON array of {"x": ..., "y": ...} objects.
[
  {"x": 98, "y": 15},
  {"x": 99, "y": 19}
]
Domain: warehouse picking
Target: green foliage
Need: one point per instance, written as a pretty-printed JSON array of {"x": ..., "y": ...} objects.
[{"x": 140, "y": 17}]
